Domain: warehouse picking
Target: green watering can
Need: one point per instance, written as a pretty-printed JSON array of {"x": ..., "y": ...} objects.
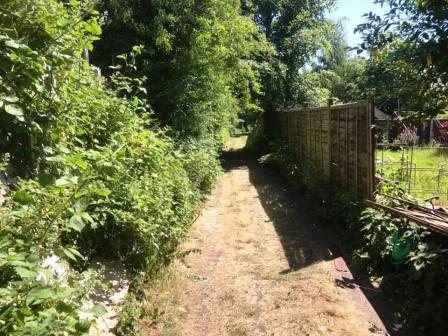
[{"x": 401, "y": 248}]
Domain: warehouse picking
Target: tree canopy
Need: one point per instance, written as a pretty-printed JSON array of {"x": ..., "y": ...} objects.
[
  {"x": 408, "y": 48},
  {"x": 201, "y": 59}
]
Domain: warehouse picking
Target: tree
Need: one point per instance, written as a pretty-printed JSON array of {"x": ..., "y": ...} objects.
[
  {"x": 338, "y": 53},
  {"x": 340, "y": 73},
  {"x": 201, "y": 59},
  {"x": 297, "y": 30},
  {"x": 408, "y": 48}
]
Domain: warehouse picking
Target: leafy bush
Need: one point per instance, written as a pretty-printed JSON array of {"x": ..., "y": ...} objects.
[
  {"x": 412, "y": 263},
  {"x": 97, "y": 175},
  {"x": 410, "y": 260},
  {"x": 202, "y": 165},
  {"x": 257, "y": 139},
  {"x": 281, "y": 159}
]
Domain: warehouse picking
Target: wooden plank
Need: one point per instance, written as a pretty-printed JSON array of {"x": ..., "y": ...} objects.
[
  {"x": 437, "y": 226},
  {"x": 372, "y": 146}
]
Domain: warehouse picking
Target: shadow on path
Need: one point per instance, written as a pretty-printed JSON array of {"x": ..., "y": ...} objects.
[{"x": 304, "y": 237}]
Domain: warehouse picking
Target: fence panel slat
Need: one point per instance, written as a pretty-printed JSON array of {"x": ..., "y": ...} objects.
[{"x": 336, "y": 142}]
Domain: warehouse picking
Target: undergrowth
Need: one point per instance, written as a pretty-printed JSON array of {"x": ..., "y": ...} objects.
[
  {"x": 410, "y": 261},
  {"x": 96, "y": 176}
]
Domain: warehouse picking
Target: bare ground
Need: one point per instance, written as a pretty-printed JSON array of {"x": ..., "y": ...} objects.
[{"x": 263, "y": 267}]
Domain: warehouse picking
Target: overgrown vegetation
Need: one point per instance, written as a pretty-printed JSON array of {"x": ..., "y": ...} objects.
[
  {"x": 116, "y": 165},
  {"x": 409, "y": 260},
  {"x": 407, "y": 48},
  {"x": 202, "y": 59},
  {"x": 96, "y": 176}
]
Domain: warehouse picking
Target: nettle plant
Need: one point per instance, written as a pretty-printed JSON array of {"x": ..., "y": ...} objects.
[
  {"x": 41, "y": 293},
  {"x": 99, "y": 176},
  {"x": 40, "y": 45},
  {"x": 389, "y": 242}
]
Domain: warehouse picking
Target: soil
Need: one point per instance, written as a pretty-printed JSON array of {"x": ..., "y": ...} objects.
[{"x": 264, "y": 266}]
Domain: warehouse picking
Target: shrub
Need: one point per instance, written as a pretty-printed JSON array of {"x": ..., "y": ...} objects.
[{"x": 98, "y": 178}]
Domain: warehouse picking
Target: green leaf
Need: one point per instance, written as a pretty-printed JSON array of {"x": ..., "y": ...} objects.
[
  {"x": 81, "y": 205},
  {"x": 64, "y": 181},
  {"x": 78, "y": 161},
  {"x": 76, "y": 223},
  {"x": 67, "y": 253},
  {"x": 98, "y": 310},
  {"x": 64, "y": 294},
  {"x": 12, "y": 44},
  {"x": 33, "y": 258},
  {"x": 46, "y": 179},
  {"x": 25, "y": 273},
  {"x": 71, "y": 253},
  {"x": 83, "y": 326},
  {"x": 11, "y": 99},
  {"x": 75, "y": 252},
  {"x": 38, "y": 294},
  {"x": 85, "y": 216},
  {"x": 63, "y": 307},
  {"x": 14, "y": 110},
  {"x": 22, "y": 197},
  {"x": 103, "y": 192}
]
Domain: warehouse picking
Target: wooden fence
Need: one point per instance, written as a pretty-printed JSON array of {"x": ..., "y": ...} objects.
[{"x": 335, "y": 142}]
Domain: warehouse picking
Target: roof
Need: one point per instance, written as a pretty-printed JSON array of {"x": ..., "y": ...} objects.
[{"x": 380, "y": 115}]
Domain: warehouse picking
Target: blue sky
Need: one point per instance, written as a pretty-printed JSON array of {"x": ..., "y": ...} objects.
[{"x": 353, "y": 10}]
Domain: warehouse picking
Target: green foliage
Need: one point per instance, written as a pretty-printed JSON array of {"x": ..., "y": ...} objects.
[
  {"x": 38, "y": 296},
  {"x": 412, "y": 264},
  {"x": 408, "y": 47},
  {"x": 410, "y": 260},
  {"x": 41, "y": 294},
  {"x": 202, "y": 165},
  {"x": 257, "y": 139},
  {"x": 346, "y": 81},
  {"x": 101, "y": 178},
  {"x": 285, "y": 163},
  {"x": 308, "y": 89},
  {"x": 40, "y": 42},
  {"x": 201, "y": 58},
  {"x": 337, "y": 74},
  {"x": 297, "y": 31}
]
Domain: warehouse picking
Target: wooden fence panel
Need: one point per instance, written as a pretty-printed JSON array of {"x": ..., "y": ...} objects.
[{"x": 335, "y": 142}]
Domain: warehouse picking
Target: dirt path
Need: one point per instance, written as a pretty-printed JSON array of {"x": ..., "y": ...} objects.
[{"x": 264, "y": 268}]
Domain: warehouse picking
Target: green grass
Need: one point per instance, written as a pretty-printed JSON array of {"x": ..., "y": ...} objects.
[
  {"x": 422, "y": 157},
  {"x": 424, "y": 184}
]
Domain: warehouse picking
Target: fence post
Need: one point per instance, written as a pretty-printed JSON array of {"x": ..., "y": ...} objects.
[
  {"x": 372, "y": 145},
  {"x": 330, "y": 103}
]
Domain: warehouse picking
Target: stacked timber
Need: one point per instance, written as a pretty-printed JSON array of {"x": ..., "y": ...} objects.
[{"x": 435, "y": 219}]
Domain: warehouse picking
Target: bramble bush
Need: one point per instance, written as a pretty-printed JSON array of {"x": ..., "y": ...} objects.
[{"x": 97, "y": 176}]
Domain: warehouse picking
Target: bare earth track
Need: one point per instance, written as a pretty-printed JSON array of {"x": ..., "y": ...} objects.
[{"x": 264, "y": 268}]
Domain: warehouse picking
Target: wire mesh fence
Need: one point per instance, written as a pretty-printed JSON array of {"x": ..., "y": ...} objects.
[{"x": 420, "y": 171}]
